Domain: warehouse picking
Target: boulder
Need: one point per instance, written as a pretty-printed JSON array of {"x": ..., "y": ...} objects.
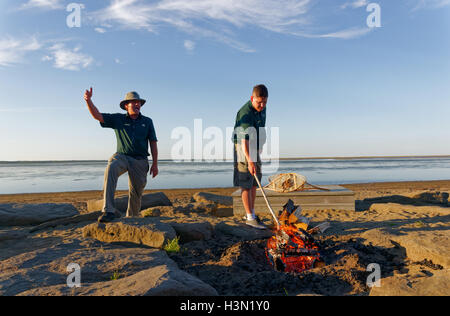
[
  {"x": 14, "y": 214},
  {"x": 121, "y": 203},
  {"x": 139, "y": 271},
  {"x": 209, "y": 198},
  {"x": 438, "y": 284},
  {"x": 141, "y": 231},
  {"x": 193, "y": 231}
]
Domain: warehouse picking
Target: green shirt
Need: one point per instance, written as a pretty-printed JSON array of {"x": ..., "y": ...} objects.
[
  {"x": 246, "y": 118},
  {"x": 132, "y": 136}
]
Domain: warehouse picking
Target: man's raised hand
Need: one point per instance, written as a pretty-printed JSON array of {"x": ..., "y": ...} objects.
[{"x": 88, "y": 95}]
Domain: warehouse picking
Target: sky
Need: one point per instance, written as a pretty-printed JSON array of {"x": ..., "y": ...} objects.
[{"x": 337, "y": 87}]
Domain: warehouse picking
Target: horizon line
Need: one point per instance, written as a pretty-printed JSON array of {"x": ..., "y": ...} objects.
[{"x": 281, "y": 159}]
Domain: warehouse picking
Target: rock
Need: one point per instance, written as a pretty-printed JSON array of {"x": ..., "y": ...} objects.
[
  {"x": 432, "y": 197},
  {"x": 32, "y": 214},
  {"x": 141, "y": 231},
  {"x": 151, "y": 212},
  {"x": 403, "y": 285},
  {"x": 12, "y": 234},
  {"x": 395, "y": 208},
  {"x": 193, "y": 231},
  {"x": 121, "y": 203},
  {"x": 66, "y": 221},
  {"x": 142, "y": 271},
  {"x": 242, "y": 231},
  {"x": 210, "y": 198},
  {"x": 418, "y": 245},
  {"x": 224, "y": 212},
  {"x": 430, "y": 245}
]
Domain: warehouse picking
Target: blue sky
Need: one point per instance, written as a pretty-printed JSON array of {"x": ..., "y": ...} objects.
[{"x": 337, "y": 87}]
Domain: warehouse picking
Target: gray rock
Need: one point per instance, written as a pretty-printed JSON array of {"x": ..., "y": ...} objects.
[
  {"x": 432, "y": 197},
  {"x": 141, "y": 231},
  {"x": 13, "y": 234},
  {"x": 210, "y": 198},
  {"x": 404, "y": 285},
  {"x": 141, "y": 272},
  {"x": 32, "y": 214},
  {"x": 66, "y": 221},
  {"x": 121, "y": 203},
  {"x": 193, "y": 231},
  {"x": 242, "y": 231}
]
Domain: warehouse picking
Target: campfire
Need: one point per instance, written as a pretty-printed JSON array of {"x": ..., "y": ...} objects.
[{"x": 292, "y": 248}]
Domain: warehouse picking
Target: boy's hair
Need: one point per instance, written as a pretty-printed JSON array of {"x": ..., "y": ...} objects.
[{"x": 260, "y": 91}]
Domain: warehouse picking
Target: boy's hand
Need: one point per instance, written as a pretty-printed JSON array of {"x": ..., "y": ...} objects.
[
  {"x": 252, "y": 168},
  {"x": 88, "y": 95}
]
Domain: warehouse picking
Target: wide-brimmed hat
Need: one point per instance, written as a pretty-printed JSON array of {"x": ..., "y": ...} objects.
[{"x": 131, "y": 96}]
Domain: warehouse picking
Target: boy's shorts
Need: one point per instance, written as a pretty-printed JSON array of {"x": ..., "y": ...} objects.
[{"x": 242, "y": 177}]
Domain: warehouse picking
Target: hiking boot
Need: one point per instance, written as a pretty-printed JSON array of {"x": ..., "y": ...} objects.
[
  {"x": 255, "y": 224},
  {"x": 106, "y": 217}
]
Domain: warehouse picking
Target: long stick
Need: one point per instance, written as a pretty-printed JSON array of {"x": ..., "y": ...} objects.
[{"x": 267, "y": 202}]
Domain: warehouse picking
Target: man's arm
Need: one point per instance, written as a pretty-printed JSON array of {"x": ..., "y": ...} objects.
[
  {"x": 251, "y": 164},
  {"x": 92, "y": 109},
  {"x": 154, "y": 150}
]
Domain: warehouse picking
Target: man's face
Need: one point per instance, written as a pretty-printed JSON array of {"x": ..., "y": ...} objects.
[
  {"x": 259, "y": 103},
  {"x": 133, "y": 107}
]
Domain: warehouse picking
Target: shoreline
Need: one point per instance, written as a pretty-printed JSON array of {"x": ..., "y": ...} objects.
[
  {"x": 224, "y": 160},
  {"x": 362, "y": 190}
]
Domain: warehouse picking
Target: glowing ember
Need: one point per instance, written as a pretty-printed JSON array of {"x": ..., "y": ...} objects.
[{"x": 292, "y": 248}]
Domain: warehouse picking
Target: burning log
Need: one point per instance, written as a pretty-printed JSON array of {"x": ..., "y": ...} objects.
[{"x": 292, "y": 248}]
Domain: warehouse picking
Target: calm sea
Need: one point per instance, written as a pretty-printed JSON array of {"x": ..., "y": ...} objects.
[{"x": 63, "y": 176}]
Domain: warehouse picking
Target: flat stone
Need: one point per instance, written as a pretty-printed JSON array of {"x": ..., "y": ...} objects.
[
  {"x": 193, "y": 231},
  {"x": 209, "y": 198},
  {"x": 338, "y": 198},
  {"x": 242, "y": 231},
  {"x": 418, "y": 245},
  {"x": 142, "y": 231},
  {"x": 141, "y": 271},
  {"x": 12, "y": 234},
  {"x": 14, "y": 214},
  {"x": 430, "y": 245},
  {"x": 121, "y": 203},
  {"x": 403, "y": 285}
]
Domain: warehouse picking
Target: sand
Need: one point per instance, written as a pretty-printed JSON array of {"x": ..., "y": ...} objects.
[{"x": 238, "y": 267}]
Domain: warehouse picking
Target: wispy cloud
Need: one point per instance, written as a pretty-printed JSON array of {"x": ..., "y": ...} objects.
[
  {"x": 347, "y": 34},
  {"x": 355, "y": 4},
  {"x": 100, "y": 30},
  {"x": 189, "y": 45},
  {"x": 220, "y": 20},
  {"x": 68, "y": 59},
  {"x": 431, "y": 4},
  {"x": 13, "y": 51},
  {"x": 43, "y": 4}
]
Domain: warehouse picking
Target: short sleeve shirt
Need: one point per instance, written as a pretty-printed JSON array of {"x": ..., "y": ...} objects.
[
  {"x": 248, "y": 118},
  {"x": 132, "y": 136}
]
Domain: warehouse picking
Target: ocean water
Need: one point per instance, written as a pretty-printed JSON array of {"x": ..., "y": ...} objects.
[{"x": 64, "y": 176}]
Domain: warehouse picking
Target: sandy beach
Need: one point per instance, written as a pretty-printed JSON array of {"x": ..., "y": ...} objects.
[{"x": 402, "y": 226}]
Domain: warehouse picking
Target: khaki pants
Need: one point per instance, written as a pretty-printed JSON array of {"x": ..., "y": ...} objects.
[{"x": 137, "y": 169}]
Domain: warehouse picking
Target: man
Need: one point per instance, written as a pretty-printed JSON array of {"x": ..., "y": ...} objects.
[
  {"x": 134, "y": 132},
  {"x": 249, "y": 138}
]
